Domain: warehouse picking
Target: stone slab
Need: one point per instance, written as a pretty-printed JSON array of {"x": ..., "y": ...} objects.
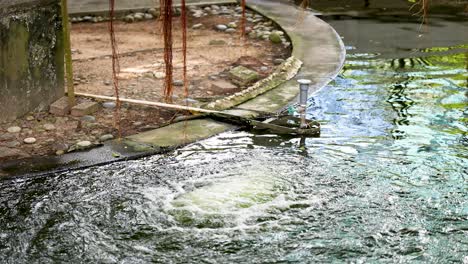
[
  {"x": 83, "y": 109},
  {"x": 181, "y": 133},
  {"x": 60, "y": 107},
  {"x": 223, "y": 86},
  {"x": 243, "y": 76}
]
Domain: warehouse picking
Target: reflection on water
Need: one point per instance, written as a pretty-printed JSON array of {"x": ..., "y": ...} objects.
[{"x": 385, "y": 182}]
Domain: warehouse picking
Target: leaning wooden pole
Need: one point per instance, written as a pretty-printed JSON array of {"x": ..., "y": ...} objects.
[{"x": 67, "y": 53}]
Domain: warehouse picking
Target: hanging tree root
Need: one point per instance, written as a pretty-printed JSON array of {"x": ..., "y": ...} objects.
[
  {"x": 115, "y": 66},
  {"x": 423, "y": 11},
  {"x": 167, "y": 32}
]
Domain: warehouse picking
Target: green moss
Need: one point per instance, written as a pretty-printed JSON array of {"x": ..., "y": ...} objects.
[
  {"x": 275, "y": 38},
  {"x": 16, "y": 51}
]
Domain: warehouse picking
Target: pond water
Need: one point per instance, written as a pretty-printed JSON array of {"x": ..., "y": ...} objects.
[{"x": 385, "y": 182}]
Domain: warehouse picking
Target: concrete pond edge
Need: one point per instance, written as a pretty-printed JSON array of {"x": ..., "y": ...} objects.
[{"x": 268, "y": 95}]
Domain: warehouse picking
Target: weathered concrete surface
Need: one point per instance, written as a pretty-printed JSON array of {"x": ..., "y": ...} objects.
[
  {"x": 31, "y": 56},
  {"x": 101, "y": 6},
  {"x": 181, "y": 133}
]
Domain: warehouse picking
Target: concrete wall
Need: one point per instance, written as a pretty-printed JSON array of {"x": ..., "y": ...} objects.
[{"x": 31, "y": 56}]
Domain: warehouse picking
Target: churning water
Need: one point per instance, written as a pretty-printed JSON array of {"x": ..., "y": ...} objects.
[{"x": 386, "y": 182}]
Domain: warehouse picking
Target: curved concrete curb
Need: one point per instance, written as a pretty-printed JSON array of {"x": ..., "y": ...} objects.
[{"x": 314, "y": 42}]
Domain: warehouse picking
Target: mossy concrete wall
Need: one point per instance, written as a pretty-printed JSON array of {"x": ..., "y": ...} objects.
[{"x": 31, "y": 56}]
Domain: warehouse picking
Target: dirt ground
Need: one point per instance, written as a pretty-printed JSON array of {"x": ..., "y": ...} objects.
[
  {"x": 142, "y": 63},
  {"x": 142, "y": 74}
]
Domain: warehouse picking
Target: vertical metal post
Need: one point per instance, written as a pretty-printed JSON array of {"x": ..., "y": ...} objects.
[
  {"x": 304, "y": 90},
  {"x": 68, "y": 56}
]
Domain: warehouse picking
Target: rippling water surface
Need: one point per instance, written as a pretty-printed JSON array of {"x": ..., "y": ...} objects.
[{"x": 386, "y": 181}]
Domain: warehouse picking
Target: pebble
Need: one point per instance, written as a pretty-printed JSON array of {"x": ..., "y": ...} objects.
[
  {"x": 106, "y": 137},
  {"x": 159, "y": 75},
  {"x": 148, "y": 16},
  {"x": 49, "y": 127},
  {"x": 30, "y": 118},
  {"x": 139, "y": 16},
  {"x": 153, "y": 12},
  {"x": 232, "y": 25},
  {"x": 264, "y": 68},
  {"x": 278, "y": 61},
  {"x": 190, "y": 101},
  {"x": 275, "y": 38},
  {"x": 215, "y": 7},
  {"x": 30, "y": 140},
  {"x": 230, "y": 30},
  {"x": 12, "y": 144},
  {"x": 84, "y": 144},
  {"x": 221, "y": 27},
  {"x": 59, "y": 152},
  {"x": 14, "y": 129},
  {"x": 197, "y": 26},
  {"x": 178, "y": 83},
  {"x": 109, "y": 105},
  {"x": 88, "y": 118},
  {"x": 129, "y": 19}
]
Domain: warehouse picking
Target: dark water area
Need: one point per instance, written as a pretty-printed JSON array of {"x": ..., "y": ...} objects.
[{"x": 387, "y": 181}]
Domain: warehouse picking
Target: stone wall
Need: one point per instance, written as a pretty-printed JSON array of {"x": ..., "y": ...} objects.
[{"x": 31, "y": 56}]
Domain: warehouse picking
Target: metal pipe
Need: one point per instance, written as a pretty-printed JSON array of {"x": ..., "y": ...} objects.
[{"x": 304, "y": 85}]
